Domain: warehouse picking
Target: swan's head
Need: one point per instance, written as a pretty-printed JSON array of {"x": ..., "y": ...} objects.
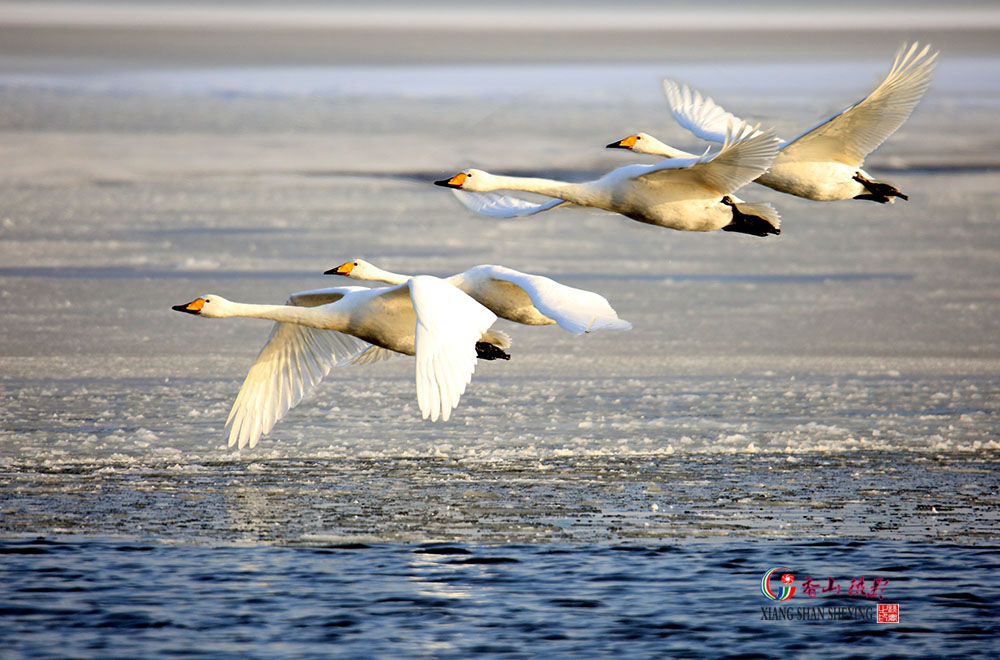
[
  {"x": 358, "y": 269},
  {"x": 627, "y": 143},
  {"x": 210, "y": 306},
  {"x": 471, "y": 179},
  {"x": 644, "y": 143}
]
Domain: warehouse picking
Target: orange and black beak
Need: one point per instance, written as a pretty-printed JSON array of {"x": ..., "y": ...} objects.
[
  {"x": 454, "y": 182},
  {"x": 193, "y": 307},
  {"x": 343, "y": 269},
  {"x": 626, "y": 143}
]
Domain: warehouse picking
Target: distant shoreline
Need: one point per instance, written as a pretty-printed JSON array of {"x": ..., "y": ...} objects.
[{"x": 154, "y": 46}]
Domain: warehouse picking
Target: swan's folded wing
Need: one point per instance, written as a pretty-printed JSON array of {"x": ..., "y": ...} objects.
[
  {"x": 294, "y": 359},
  {"x": 575, "y": 310},
  {"x": 317, "y": 297},
  {"x": 496, "y": 205},
  {"x": 698, "y": 113},
  {"x": 853, "y": 133},
  {"x": 449, "y": 323},
  {"x": 744, "y": 156}
]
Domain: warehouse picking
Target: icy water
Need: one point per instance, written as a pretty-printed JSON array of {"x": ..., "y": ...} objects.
[{"x": 825, "y": 402}]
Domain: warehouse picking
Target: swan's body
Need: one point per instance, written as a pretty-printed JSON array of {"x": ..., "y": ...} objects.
[
  {"x": 513, "y": 295},
  {"x": 690, "y": 194},
  {"x": 318, "y": 330},
  {"x": 824, "y": 163}
]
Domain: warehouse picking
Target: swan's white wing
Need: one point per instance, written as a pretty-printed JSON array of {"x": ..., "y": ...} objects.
[
  {"x": 853, "y": 133},
  {"x": 496, "y": 205},
  {"x": 294, "y": 359},
  {"x": 317, "y": 297},
  {"x": 745, "y": 155},
  {"x": 372, "y": 354},
  {"x": 698, "y": 113},
  {"x": 449, "y": 323},
  {"x": 575, "y": 310}
]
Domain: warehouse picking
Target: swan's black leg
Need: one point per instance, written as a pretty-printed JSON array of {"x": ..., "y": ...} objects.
[
  {"x": 746, "y": 223},
  {"x": 878, "y": 191},
  {"x": 487, "y": 351}
]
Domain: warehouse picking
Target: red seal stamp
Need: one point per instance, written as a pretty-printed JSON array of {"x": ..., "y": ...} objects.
[{"x": 887, "y": 612}]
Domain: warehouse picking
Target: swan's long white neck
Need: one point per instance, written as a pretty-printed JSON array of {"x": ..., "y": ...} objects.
[
  {"x": 375, "y": 274},
  {"x": 571, "y": 192},
  {"x": 325, "y": 317},
  {"x": 654, "y": 147}
]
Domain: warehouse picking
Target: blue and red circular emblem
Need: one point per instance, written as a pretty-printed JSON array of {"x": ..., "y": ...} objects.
[{"x": 787, "y": 588}]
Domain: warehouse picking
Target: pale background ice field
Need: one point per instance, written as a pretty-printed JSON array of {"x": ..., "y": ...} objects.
[{"x": 826, "y": 397}]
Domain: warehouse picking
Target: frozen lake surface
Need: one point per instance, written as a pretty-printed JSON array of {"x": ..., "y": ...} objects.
[{"x": 826, "y": 400}]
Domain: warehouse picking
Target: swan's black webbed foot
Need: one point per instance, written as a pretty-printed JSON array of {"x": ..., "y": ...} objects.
[
  {"x": 747, "y": 223},
  {"x": 878, "y": 191},
  {"x": 487, "y": 351}
]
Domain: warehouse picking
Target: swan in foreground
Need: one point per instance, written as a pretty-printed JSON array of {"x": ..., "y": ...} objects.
[
  {"x": 317, "y": 330},
  {"x": 824, "y": 163},
  {"x": 513, "y": 295},
  {"x": 691, "y": 194}
]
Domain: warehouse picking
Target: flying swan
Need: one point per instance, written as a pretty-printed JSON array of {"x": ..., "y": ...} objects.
[
  {"x": 824, "y": 163},
  {"x": 513, "y": 295},
  {"x": 692, "y": 194},
  {"x": 317, "y": 330}
]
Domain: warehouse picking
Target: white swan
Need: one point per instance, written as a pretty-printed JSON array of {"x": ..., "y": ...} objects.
[
  {"x": 513, "y": 295},
  {"x": 692, "y": 194},
  {"x": 318, "y": 330},
  {"x": 824, "y": 163}
]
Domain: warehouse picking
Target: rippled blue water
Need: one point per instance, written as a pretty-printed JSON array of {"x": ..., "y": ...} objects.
[{"x": 89, "y": 598}]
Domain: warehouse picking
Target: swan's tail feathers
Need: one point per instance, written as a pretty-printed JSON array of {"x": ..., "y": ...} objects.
[
  {"x": 754, "y": 218},
  {"x": 495, "y": 205},
  {"x": 498, "y": 338}
]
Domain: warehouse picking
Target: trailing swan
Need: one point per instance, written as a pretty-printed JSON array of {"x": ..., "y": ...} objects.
[{"x": 824, "y": 163}]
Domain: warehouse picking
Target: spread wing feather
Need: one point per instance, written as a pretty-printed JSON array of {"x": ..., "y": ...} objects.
[
  {"x": 449, "y": 323},
  {"x": 746, "y": 153},
  {"x": 699, "y": 113},
  {"x": 856, "y": 131},
  {"x": 496, "y": 205},
  {"x": 293, "y": 361}
]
